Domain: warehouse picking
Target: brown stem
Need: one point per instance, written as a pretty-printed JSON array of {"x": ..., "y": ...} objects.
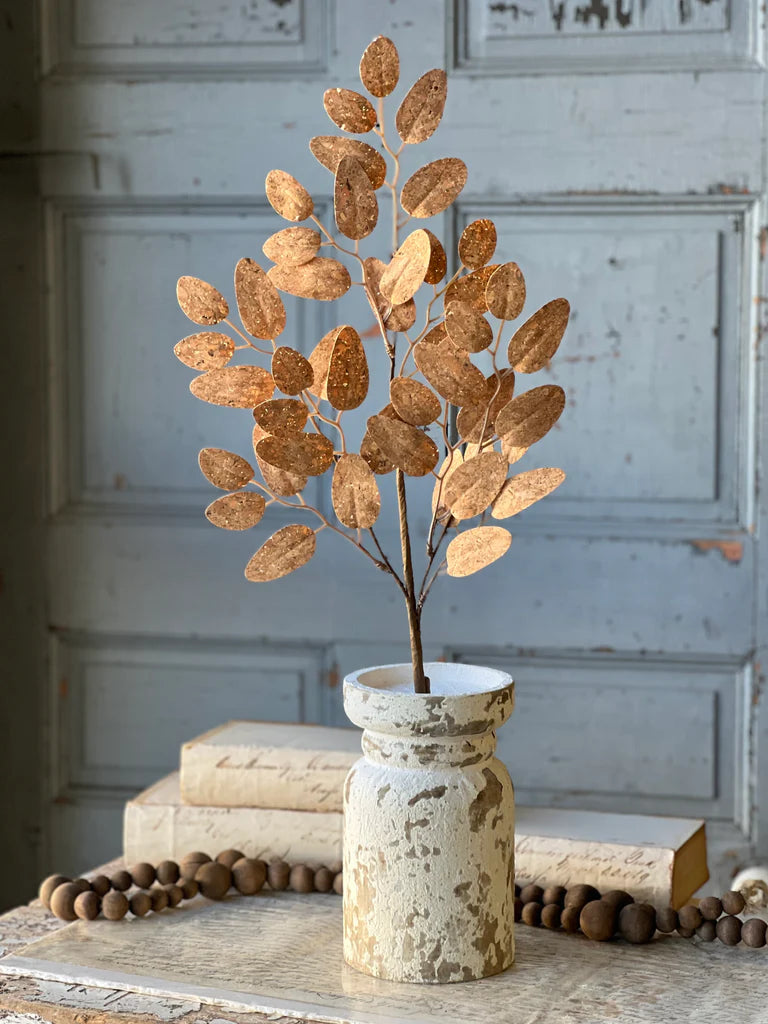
[{"x": 420, "y": 681}]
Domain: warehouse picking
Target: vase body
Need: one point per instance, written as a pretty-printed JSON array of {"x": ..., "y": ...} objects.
[{"x": 429, "y": 826}]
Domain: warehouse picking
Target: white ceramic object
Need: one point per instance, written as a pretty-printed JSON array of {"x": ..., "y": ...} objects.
[{"x": 429, "y": 826}]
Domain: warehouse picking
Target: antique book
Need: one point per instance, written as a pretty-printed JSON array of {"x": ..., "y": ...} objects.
[
  {"x": 157, "y": 825},
  {"x": 269, "y": 764},
  {"x": 656, "y": 859}
]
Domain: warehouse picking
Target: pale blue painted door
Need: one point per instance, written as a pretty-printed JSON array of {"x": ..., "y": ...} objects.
[{"x": 620, "y": 148}]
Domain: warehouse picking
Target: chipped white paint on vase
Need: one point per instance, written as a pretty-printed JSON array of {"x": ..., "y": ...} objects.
[{"x": 429, "y": 826}]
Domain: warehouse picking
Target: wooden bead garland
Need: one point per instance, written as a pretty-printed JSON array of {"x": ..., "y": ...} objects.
[{"x": 168, "y": 884}]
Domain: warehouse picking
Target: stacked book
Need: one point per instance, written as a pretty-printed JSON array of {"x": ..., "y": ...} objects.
[{"x": 275, "y": 790}]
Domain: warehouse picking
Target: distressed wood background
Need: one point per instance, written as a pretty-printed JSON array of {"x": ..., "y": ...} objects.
[{"x": 620, "y": 148}]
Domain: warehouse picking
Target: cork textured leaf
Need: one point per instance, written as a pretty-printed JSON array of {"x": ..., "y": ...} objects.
[
  {"x": 260, "y": 307},
  {"x": 330, "y": 149},
  {"x": 432, "y": 337},
  {"x": 284, "y": 552},
  {"x": 207, "y": 350}
]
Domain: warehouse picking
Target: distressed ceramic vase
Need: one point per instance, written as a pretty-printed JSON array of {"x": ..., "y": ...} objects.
[{"x": 429, "y": 826}]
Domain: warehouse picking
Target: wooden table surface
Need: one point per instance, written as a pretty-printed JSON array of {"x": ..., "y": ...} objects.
[{"x": 276, "y": 957}]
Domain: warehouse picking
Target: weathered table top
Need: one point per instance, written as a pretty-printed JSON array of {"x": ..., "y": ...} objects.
[{"x": 276, "y": 957}]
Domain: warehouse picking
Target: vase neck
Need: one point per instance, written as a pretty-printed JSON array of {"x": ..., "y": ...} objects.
[{"x": 428, "y": 751}]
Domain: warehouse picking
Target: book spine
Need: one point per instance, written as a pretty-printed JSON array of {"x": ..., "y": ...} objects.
[
  {"x": 236, "y": 778},
  {"x": 645, "y": 872},
  {"x": 154, "y": 832}
]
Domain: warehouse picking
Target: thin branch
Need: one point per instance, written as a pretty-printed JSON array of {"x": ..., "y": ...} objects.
[
  {"x": 247, "y": 340},
  {"x": 386, "y": 560}
]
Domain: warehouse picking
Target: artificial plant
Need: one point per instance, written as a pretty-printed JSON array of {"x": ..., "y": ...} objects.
[{"x": 480, "y": 424}]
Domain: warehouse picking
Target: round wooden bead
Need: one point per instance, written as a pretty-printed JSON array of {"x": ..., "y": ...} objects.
[
  {"x": 532, "y": 894},
  {"x": 753, "y": 932},
  {"x": 618, "y": 899},
  {"x": 278, "y": 875},
  {"x": 159, "y": 899},
  {"x": 140, "y": 904},
  {"x": 249, "y": 875},
  {"x": 685, "y": 933},
  {"x": 229, "y": 858},
  {"x": 175, "y": 895},
  {"x": 554, "y": 895},
  {"x": 87, "y": 905},
  {"x": 733, "y": 902},
  {"x": 531, "y": 914},
  {"x": 143, "y": 875},
  {"x": 189, "y": 888},
  {"x": 114, "y": 906},
  {"x": 689, "y": 916},
  {"x": 550, "y": 915},
  {"x": 598, "y": 920},
  {"x": 214, "y": 880},
  {"x": 323, "y": 879},
  {"x": 637, "y": 922},
  {"x": 302, "y": 878},
  {"x": 335, "y": 867},
  {"x": 707, "y": 930},
  {"x": 729, "y": 930},
  {"x": 711, "y": 908},
  {"x": 121, "y": 881},
  {"x": 190, "y": 862},
  {"x": 338, "y": 883},
  {"x": 47, "y": 887},
  {"x": 167, "y": 872},
  {"x": 82, "y": 884},
  {"x": 580, "y": 895},
  {"x": 63, "y": 901},
  {"x": 666, "y": 919},
  {"x": 101, "y": 885},
  {"x": 569, "y": 919}
]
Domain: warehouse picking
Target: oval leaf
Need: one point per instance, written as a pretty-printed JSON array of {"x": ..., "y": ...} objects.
[
  {"x": 471, "y": 288},
  {"x": 351, "y": 111},
  {"x": 279, "y": 481},
  {"x": 380, "y": 67},
  {"x": 355, "y": 493},
  {"x": 354, "y": 201},
  {"x": 225, "y": 469},
  {"x": 534, "y": 344},
  {"x": 287, "y": 196},
  {"x": 261, "y": 308},
  {"x": 413, "y": 401},
  {"x": 322, "y": 278},
  {"x": 292, "y": 246},
  {"x": 474, "y": 549},
  {"x": 200, "y": 301},
  {"x": 291, "y": 371},
  {"x": 409, "y": 448},
  {"x": 405, "y": 273},
  {"x": 320, "y": 361},
  {"x": 448, "y": 467},
  {"x": 371, "y": 452},
  {"x": 512, "y": 453},
  {"x": 527, "y": 418},
  {"x": 451, "y": 373},
  {"x": 420, "y": 112},
  {"x": 438, "y": 263},
  {"x": 433, "y": 188},
  {"x": 470, "y": 419},
  {"x": 403, "y": 316},
  {"x": 329, "y": 149},
  {"x": 505, "y": 292},
  {"x": 284, "y": 552},
  {"x": 467, "y": 327},
  {"x": 281, "y": 416},
  {"x": 473, "y": 486},
  {"x": 306, "y": 454},
  {"x": 523, "y": 490},
  {"x": 238, "y": 511},
  {"x": 207, "y": 350},
  {"x": 477, "y": 243},
  {"x": 239, "y": 387},
  {"x": 347, "y": 382}
]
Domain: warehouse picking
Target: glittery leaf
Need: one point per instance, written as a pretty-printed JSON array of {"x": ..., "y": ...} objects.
[
  {"x": 433, "y": 188},
  {"x": 523, "y": 490},
  {"x": 284, "y": 552},
  {"x": 207, "y": 350},
  {"x": 409, "y": 448},
  {"x": 380, "y": 67},
  {"x": 354, "y": 201},
  {"x": 505, "y": 292},
  {"x": 474, "y": 549},
  {"x": 287, "y": 196},
  {"x": 321, "y": 278},
  {"x": 261, "y": 308},
  {"x": 477, "y": 243},
  {"x": 355, "y": 493},
  {"x": 405, "y": 273},
  {"x": 413, "y": 401},
  {"x": 291, "y": 370},
  {"x": 224, "y": 469},
  {"x": 422, "y": 108},
  {"x": 527, "y": 418},
  {"x": 240, "y": 387},
  {"x": 473, "y": 486},
  {"x": 349, "y": 110},
  {"x": 329, "y": 149},
  {"x": 534, "y": 344},
  {"x": 292, "y": 246},
  {"x": 238, "y": 511},
  {"x": 200, "y": 301}
]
